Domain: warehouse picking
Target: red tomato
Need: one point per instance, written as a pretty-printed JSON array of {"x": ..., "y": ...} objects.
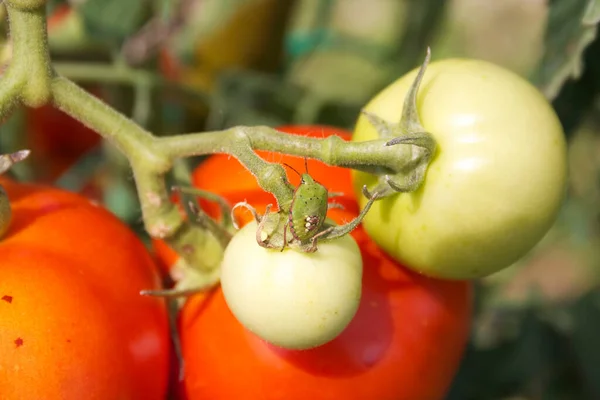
[
  {"x": 405, "y": 342},
  {"x": 72, "y": 322}
]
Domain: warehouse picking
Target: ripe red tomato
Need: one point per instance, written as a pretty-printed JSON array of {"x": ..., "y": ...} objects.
[
  {"x": 405, "y": 341},
  {"x": 72, "y": 322}
]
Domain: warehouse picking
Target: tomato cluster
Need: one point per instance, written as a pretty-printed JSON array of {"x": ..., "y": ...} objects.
[
  {"x": 368, "y": 316},
  {"x": 393, "y": 341}
]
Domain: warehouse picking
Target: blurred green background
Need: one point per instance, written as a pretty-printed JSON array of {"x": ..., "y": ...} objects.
[{"x": 194, "y": 65}]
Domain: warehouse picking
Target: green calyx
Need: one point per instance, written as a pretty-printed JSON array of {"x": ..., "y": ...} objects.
[{"x": 408, "y": 131}]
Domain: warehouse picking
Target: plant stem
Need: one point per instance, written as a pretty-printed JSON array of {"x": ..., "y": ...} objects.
[
  {"x": 31, "y": 80},
  {"x": 332, "y": 150},
  {"x": 30, "y": 52},
  {"x": 100, "y": 72},
  {"x": 11, "y": 85},
  {"x": 108, "y": 73},
  {"x": 121, "y": 131}
]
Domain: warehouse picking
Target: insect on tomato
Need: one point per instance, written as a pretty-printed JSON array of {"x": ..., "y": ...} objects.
[
  {"x": 307, "y": 210},
  {"x": 384, "y": 352}
]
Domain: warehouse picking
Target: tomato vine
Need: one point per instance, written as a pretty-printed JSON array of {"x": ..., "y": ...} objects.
[{"x": 32, "y": 81}]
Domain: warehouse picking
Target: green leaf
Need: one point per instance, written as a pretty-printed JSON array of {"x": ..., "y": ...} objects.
[
  {"x": 592, "y": 13},
  {"x": 113, "y": 20},
  {"x": 572, "y": 26}
]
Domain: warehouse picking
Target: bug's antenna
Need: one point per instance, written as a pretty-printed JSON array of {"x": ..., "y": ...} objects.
[
  {"x": 306, "y": 164},
  {"x": 293, "y": 169}
]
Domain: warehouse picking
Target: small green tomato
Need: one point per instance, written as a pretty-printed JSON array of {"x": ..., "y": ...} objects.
[{"x": 292, "y": 299}]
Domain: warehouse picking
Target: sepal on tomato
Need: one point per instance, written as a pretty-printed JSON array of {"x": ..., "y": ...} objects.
[{"x": 409, "y": 131}]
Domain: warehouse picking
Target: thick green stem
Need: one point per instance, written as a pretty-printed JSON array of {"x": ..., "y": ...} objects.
[
  {"x": 332, "y": 150},
  {"x": 121, "y": 131},
  {"x": 197, "y": 246},
  {"x": 161, "y": 218},
  {"x": 372, "y": 156},
  {"x": 30, "y": 51},
  {"x": 11, "y": 85}
]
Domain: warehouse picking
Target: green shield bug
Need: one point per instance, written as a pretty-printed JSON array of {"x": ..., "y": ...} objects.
[
  {"x": 308, "y": 209},
  {"x": 304, "y": 216}
]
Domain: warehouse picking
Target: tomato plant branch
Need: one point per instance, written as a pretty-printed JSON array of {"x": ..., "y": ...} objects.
[
  {"x": 11, "y": 85},
  {"x": 32, "y": 80},
  {"x": 161, "y": 217},
  {"x": 30, "y": 56},
  {"x": 369, "y": 156},
  {"x": 121, "y": 74}
]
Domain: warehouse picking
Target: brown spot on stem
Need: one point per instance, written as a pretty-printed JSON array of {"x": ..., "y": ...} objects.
[
  {"x": 18, "y": 342},
  {"x": 7, "y": 298}
]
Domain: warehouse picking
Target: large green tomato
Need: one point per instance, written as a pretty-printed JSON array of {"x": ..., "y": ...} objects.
[{"x": 495, "y": 184}]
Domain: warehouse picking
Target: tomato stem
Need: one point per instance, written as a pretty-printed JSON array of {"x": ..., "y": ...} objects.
[
  {"x": 30, "y": 55},
  {"x": 408, "y": 131},
  {"x": 31, "y": 80}
]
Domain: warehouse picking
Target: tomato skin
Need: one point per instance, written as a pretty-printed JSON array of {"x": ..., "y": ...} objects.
[
  {"x": 495, "y": 184},
  {"x": 72, "y": 322},
  {"x": 405, "y": 342}
]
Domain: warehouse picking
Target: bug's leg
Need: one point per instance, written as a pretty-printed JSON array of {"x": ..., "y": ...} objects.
[
  {"x": 341, "y": 230},
  {"x": 313, "y": 240},
  {"x": 335, "y": 194}
]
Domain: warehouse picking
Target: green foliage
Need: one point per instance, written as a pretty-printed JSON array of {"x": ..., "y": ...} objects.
[
  {"x": 572, "y": 26},
  {"x": 113, "y": 21}
]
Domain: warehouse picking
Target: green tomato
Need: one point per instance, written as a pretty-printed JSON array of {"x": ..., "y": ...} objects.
[
  {"x": 495, "y": 184},
  {"x": 289, "y": 298}
]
